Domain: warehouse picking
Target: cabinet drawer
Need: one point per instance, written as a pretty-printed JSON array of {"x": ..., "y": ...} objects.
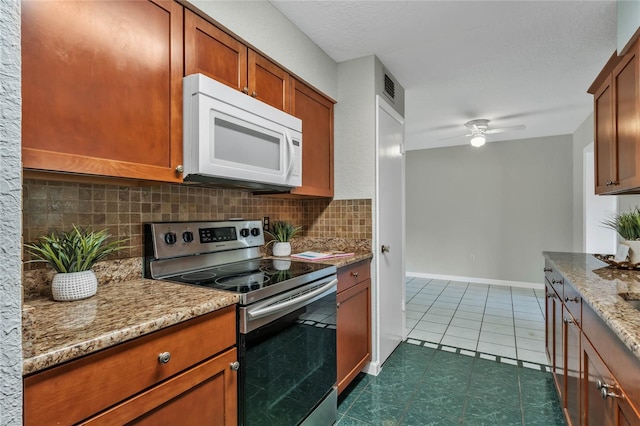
[
  {"x": 73, "y": 391},
  {"x": 554, "y": 278},
  {"x": 351, "y": 275},
  {"x": 573, "y": 302}
]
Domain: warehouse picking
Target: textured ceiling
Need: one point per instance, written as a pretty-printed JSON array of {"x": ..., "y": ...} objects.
[{"x": 512, "y": 62}]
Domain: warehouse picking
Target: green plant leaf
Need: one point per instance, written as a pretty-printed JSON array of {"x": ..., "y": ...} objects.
[
  {"x": 73, "y": 251},
  {"x": 282, "y": 231}
]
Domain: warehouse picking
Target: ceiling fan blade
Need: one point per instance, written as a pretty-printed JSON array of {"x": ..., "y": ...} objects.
[
  {"x": 454, "y": 137},
  {"x": 506, "y": 129}
]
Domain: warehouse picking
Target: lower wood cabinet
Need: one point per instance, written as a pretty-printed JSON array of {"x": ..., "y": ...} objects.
[
  {"x": 597, "y": 377},
  {"x": 183, "y": 374},
  {"x": 604, "y": 401},
  {"x": 353, "y": 322}
]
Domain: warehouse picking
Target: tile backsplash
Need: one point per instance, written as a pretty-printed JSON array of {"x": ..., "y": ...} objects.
[{"x": 54, "y": 206}]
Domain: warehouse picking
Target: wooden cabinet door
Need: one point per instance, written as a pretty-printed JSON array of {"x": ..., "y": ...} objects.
[
  {"x": 597, "y": 411},
  {"x": 203, "y": 395},
  {"x": 550, "y": 334},
  {"x": 558, "y": 344},
  {"x": 210, "y": 51},
  {"x": 572, "y": 353},
  {"x": 604, "y": 147},
  {"x": 268, "y": 82},
  {"x": 102, "y": 87},
  {"x": 626, "y": 116},
  {"x": 316, "y": 113},
  {"x": 353, "y": 332}
]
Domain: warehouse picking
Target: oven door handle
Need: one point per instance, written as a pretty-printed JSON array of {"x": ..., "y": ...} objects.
[{"x": 262, "y": 312}]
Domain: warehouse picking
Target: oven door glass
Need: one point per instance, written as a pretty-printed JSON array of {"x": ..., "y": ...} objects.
[{"x": 289, "y": 365}]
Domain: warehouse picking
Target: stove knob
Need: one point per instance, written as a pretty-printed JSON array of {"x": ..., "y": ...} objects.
[
  {"x": 244, "y": 232},
  {"x": 170, "y": 238},
  {"x": 187, "y": 236},
  {"x": 255, "y": 231}
]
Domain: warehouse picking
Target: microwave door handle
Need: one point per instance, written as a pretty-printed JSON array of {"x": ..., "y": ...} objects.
[{"x": 292, "y": 152}]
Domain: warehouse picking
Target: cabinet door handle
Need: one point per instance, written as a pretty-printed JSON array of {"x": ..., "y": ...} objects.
[
  {"x": 235, "y": 365},
  {"x": 254, "y": 94},
  {"x": 385, "y": 249},
  {"x": 571, "y": 299},
  {"x": 567, "y": 320},
  {"x": 164, "y": 357},
  {"x": 245, "y": 90},
  {"x": 550, "y": 295},
  {"x": 554, "y": 281}
]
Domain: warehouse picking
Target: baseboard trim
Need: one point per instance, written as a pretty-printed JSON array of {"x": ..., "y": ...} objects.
[
  {"x": 506, "y": 283},
  {"x": 372, "y": 368}
]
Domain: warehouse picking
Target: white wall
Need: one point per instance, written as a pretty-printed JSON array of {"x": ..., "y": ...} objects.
[
  {"x": 489, "y": 213},
  {"x": 10, "y": 209},
  {"x": 354, "y": 136},
  {"x": 263, "y": 26},
  {"x": 628, "y": 23},
  {"x": 582, "y": 137}
]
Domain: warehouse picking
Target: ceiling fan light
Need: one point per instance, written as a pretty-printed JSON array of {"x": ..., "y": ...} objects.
[{"x": 478, "y": 141}]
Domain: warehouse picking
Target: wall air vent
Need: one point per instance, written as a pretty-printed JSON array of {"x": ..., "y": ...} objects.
[{"x": 389, "y": 87}]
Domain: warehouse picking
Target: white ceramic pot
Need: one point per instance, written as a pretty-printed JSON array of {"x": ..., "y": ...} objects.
[
  {"x": 74, "y": 285},
  {"x": 282, "y": 249},
  {"x": 634, "y": 250}
]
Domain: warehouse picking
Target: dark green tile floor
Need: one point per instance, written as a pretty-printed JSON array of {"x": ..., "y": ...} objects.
[{"x": 421, "y": 386}]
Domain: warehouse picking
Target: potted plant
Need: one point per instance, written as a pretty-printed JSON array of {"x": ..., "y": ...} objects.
[
  {"x": 627, "y": 225},
  {"x": 72, "y": 254},
  {"x": 281, "y": 233}
]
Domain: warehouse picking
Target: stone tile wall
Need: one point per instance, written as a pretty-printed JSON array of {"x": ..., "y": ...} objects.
[{"x": 53, "y": 206}]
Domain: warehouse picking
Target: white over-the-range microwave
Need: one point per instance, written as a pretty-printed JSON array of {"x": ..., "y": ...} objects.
[{"x": 232, "y": 138}]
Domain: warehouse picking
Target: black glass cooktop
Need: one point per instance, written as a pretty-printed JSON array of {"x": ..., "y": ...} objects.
[{"x": 251, "y": 275}]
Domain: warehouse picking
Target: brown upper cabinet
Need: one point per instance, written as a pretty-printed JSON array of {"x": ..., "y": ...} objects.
[
  {"x": 316, "y": 112},
  {"x": 617, "y": 129},
  {"x": 102, "y": 88},
  {"x": 214, "y": 53}
]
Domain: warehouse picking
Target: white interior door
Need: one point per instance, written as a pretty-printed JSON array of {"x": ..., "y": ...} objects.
[{"x": 390, "y": 228}]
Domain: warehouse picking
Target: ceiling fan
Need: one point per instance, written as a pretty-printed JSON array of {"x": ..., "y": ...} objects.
[{"x": 480, "y": 127}]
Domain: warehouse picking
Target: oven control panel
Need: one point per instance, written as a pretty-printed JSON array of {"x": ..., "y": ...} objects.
[{"x": 173, "y": 239}]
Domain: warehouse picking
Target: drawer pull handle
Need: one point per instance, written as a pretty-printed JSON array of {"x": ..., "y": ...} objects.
[
  {"x": 550, "y": 295},
  {"x": 164, "y": 357},
  {"x": 567, "y": 320},
  {"x": 548, "y": 270},
  {"x": 554, "y": 281},
  {"x": 235, "y": 365},
  {"x": 354, "y": 274},
  {"x": 572, "y": 299}
]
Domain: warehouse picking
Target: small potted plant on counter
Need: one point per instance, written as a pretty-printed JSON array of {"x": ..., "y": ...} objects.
[
  {"x": 72, "y": 254},
  {"x": 281, "y": 233},
  {"x": 627, "y": 225}
]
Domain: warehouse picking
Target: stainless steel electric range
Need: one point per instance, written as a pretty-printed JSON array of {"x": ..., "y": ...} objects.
[{"x": 286, "y": 315}]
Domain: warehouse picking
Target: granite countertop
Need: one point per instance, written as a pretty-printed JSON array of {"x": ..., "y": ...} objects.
[
  {"x": 338, "y": 262},
  {"x": 601, "y": 288},
  {"x": 55, "y": 332}
]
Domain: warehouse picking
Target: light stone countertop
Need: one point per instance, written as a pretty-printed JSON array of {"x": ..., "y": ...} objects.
[
  {"x": 600, "y": 287},
  {"x": 55, "y": 332}
]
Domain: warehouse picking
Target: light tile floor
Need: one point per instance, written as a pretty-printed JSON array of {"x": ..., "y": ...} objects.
[{"x": 492, "y": 319}]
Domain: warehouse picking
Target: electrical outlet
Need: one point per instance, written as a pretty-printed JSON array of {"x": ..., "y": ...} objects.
[{"x": 265, "y": 223}]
